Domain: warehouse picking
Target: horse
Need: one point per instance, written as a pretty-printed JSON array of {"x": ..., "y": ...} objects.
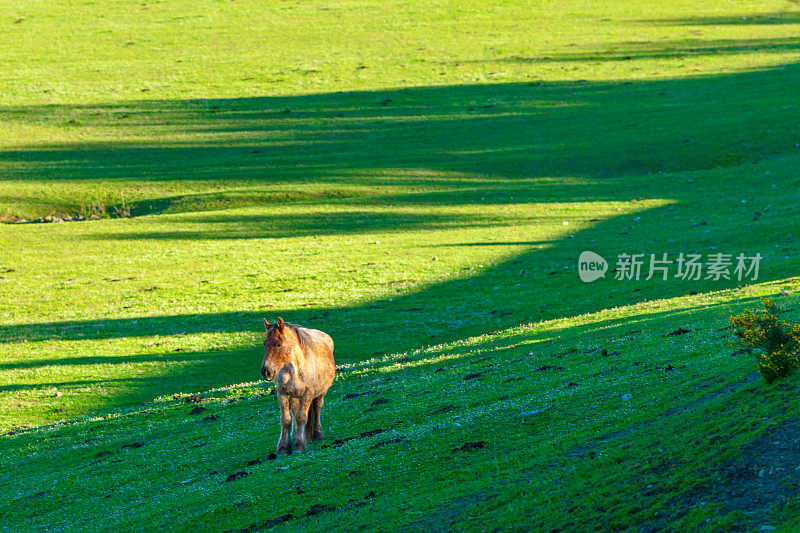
[{"x": 300, "y": 362}]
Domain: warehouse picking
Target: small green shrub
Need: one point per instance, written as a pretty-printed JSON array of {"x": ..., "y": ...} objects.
[{"x": 773, "y": 342}]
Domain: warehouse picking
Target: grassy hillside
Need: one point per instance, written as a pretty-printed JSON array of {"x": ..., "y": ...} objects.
[
  {"x": 418, "y": 180},
  {"x": 187, "y": 106},
  {"x": 600, "y": 422},
  {"x": 410, "y": 209}
]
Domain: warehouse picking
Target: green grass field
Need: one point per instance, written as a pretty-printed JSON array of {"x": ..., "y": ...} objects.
[{"x": 418, "y": 180}]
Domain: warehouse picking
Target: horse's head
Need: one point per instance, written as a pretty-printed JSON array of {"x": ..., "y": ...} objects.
[{"x": 277, "y": 349}]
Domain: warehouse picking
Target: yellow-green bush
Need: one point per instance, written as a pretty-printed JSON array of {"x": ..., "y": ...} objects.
[{"x": 774, "y": 343}]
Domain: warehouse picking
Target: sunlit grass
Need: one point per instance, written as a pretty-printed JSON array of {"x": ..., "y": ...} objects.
[
  {"x": 608, "y": 426},
  {"x": 418, "y": 180}
]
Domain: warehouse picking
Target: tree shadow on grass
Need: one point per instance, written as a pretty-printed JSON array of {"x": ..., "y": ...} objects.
[
  {"x": 90, "y": 393},
  {"x": 63, "y": 385},
  {"x": 678, "y": 49},
  {"x": 505, "y": 144},
  {"x": 776, "y": 17},
  {"x": 512, "y": 143},
  {"x": 201, "y": 371},
  {"x": 539, "y": 282},
  {"x": 383, "y": 214},
  {"x": 287, "y": 225},
  {"x": 170, "y": 356},
  {"x": 446, "y": 137}
]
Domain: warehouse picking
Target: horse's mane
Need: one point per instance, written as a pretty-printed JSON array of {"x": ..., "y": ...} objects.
[{"x": 305, "y": 340}]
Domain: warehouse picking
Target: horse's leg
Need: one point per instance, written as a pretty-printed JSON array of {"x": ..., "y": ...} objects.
[
  {"x": 316, "y": 434},
  {"x": 286, "y": 423},
  {"x": 300, "y": 420},
  {"x": 312, "y": 415},
  {"x": 292, "y": 413}
]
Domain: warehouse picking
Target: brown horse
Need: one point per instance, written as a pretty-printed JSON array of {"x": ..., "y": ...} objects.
[{"x": 300, "y": 361}]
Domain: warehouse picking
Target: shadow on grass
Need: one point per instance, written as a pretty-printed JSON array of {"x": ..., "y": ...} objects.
[
  {"x": 445, "y": 137},
  {"x": 539, "y": 282},
  {"x": 171, "y": 356},
  {"x": 66, "y": 384},
  {"x": 481, "y": 144},
  {"x": 292, "y": 224},
  {"x": 684, "y": 48},
  {"x": 494, "y": 143},
  {"x": 777, "y": 17},
  {"x": 207, "y": 370}
]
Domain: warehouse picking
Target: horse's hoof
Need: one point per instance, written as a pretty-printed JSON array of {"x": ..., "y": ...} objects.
[
  {"x": 317, "y": 436},
  {"x": 299, "y": 446},
  {"x": 282, "y": 450}
]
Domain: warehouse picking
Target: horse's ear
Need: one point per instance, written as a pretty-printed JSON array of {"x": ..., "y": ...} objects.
[
  {"x": 267, "y": 324},
  {"x": 280, "y": 323}
]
